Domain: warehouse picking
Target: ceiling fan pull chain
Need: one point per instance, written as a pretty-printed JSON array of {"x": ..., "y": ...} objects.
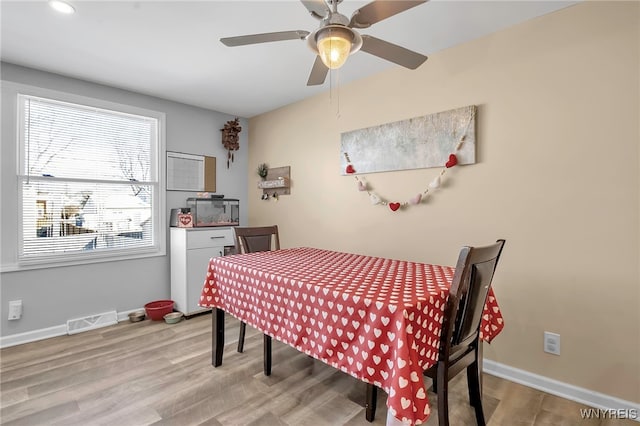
[{"x": 337, "y": 89}]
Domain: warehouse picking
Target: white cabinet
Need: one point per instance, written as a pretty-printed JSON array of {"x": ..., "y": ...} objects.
[{"x": 191, "y": 249}]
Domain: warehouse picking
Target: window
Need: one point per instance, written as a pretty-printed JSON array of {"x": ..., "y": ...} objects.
[{"x": 89, "y": 183}]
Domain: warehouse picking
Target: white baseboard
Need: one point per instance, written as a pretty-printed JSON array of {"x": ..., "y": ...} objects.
[
  {"x": 561, "y": 389},
  {"x": 32, "y": 336},
  {"x": 47, "y": 333}
]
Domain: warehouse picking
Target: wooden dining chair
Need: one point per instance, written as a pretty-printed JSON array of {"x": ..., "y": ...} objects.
[
  {"x": 460, "y": 345},
  {"x": 250, "y": 240}
]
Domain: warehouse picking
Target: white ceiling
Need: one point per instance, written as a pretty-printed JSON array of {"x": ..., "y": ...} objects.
[{"x": 171, "y": 49}]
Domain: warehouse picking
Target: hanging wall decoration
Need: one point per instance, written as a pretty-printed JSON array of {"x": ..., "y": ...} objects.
[
  {"x": 451, "y": 142},
  {"x": 276, "y": 182},
  {"x": 230, "y": 138}
]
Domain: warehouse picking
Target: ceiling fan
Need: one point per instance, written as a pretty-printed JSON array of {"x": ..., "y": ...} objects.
[{"x": 336, "y": 38}]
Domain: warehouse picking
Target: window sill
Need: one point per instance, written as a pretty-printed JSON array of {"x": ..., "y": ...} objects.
[{"x": 46, "y": 264}]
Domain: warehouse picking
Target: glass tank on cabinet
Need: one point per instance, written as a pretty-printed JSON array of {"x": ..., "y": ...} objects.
[{"x": 214, "y": 211}]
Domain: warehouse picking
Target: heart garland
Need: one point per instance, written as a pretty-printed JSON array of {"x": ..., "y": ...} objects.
[{"x": 420, "y": 197}]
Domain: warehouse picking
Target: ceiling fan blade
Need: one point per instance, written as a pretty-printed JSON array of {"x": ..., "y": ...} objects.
[
  {"x": 264, "y": 38},
  {"x": 392, "y": 52},
  {"x": 376, "y": 11},
  {"x": 318, "y": 73},
  {"x": 317, "y": 8}
]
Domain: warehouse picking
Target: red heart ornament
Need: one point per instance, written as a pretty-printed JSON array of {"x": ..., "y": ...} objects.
[
  {"x": 394, "y": 206},
  {"x": 185, "y": 221},
  {"x": 453, "y": 160},
  {"x": 350, "y": 169}
]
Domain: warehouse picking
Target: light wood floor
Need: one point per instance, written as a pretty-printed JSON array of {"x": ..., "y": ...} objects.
[{"x": 152, "y": 373}]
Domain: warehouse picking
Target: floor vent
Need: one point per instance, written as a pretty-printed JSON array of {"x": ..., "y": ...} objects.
[{"x": 79, "y": 325}]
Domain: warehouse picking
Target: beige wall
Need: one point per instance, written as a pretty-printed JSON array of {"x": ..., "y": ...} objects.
[{"x": 557, "y": 176}]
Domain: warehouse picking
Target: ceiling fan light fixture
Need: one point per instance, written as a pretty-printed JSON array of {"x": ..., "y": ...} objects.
[
  {"x": 335, "y": 44},
  {"x": 334, "y": 47},
  {"x": 336, "y": 37}
]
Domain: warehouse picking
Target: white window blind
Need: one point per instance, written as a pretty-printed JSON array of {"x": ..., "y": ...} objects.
[{"x": 88, "y": 181}]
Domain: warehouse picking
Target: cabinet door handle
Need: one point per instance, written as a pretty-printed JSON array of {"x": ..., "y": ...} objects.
[{"x": 220, "y": 236}]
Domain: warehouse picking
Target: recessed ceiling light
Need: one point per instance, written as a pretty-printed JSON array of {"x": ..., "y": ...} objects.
[{"x": 62, "y": 7}]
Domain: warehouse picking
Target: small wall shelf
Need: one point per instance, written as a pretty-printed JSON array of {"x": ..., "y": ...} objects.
[{"x": 278, "y": 181}]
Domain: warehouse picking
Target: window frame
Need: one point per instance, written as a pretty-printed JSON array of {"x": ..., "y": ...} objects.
[{"x": 159, "y": 200}]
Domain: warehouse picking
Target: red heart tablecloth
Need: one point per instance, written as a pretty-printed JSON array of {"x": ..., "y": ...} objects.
[{"x": 376, "y": 319}]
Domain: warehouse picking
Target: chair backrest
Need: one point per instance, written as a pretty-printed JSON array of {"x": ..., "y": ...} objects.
[
  {"x": 257, "y": 238},
  {"x": 467, "y": 296}
]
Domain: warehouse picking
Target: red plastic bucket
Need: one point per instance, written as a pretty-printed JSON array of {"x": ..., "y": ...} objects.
[{"x": 158, "y": 309}]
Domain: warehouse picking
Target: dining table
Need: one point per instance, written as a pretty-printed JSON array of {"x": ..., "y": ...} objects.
[{"x": 374, "y": 318}]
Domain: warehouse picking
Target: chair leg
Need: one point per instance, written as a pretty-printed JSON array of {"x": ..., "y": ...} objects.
[
  {"x": 267, "y": 355},
  {"x": 243, "y": 329},
  {"x": 474, "y": 382},
  {"x": 443, "y": 397},
  {"x": 479, "y": 359},
  {"x": 475, "y": 393},
  {"x": 370, "y": 403}
]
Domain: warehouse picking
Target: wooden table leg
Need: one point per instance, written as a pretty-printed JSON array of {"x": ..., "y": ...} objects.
[
  {"x": 371, "y": 402},
  {"x": 267, "y": 355},
  {"x": 217, "y": 336}
]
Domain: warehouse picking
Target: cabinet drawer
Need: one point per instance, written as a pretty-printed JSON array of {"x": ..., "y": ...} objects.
[{"x": 210, "y": 238}]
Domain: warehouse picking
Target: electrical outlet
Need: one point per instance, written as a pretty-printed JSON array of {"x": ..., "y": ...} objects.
[
  {"x": 15, "y": 309},
  {"x": 552, "y": 343}
]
